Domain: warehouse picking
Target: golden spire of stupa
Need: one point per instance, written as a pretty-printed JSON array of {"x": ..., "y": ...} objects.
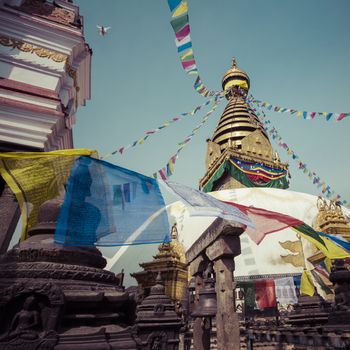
[
  {"x": 239, "y": 135},
  {"x": 237, "y": 120}
]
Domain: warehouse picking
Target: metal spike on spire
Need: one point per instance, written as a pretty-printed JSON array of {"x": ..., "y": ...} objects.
[{"x": 234, "y": 62}]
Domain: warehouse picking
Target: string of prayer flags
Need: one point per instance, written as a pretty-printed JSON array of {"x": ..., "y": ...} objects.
[
  {"x": 181, "y": 26},
  {"x": 312, "y": 175},
  {"x": 148, "y": 133},
  {"x": 267, "y": 221},
  {"x": 300, "y": 114},
  {"x": 107, "y": 205},
  {"x": 168, "y": 170},
  {"x": 35, "y": 177}
]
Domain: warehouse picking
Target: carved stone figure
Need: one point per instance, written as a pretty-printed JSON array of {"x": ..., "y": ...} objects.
[
  {"x": 156, "y": 343},
  {"x": 26, "y": 321}
]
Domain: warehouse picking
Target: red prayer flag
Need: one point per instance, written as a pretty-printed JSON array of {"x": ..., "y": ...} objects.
[
  {"x": 265, "y": 221},
  {"x": 183, "y": 32},
  {"x": 265, "y": 295}
]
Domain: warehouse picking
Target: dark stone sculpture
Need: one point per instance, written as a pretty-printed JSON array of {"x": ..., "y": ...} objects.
[
  {"x": 57, "y": 296},
  {"x": 340, "y": 277},
  {"x": 157, "y": 323}
]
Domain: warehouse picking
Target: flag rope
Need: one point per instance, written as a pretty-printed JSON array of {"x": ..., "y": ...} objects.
[
  {"x": 316, "y": 180},
  {"x": 168, "y": 170},
  {"x": 150, "y": 132}
]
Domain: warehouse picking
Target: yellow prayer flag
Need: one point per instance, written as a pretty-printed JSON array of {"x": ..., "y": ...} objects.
[
  {"x": 181, "y": 9},
  {"x": 328, "y": 263},
  {"x": 306, "y": 284},
  {"x": 171, "y": 166},
  {"x": 188, "y": 53},
  {"x": 35, "y": 177},
  {"x": 329, "y": 249}
]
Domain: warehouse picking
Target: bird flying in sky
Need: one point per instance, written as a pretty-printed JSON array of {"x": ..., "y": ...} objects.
[{"x": 103, "y": 30}]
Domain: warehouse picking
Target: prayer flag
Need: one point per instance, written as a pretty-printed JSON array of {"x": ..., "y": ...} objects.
[
  {"x": 107, "y": 205},
  {"x": 182, "y": 41},
  {"x": 342, "y": 116},
  {"x": 307, "y": 285},
  {"x": 265, "y": 221},
  {"x": 184, "y": 47},
  {"x": 181, "y": 9},
  {"x": 330, "y": 249},
  {"x": 199, "y": 203},
  {"x": 188, "y": 55},
  {"x": 173, "y": 4},
  {"x": 35, "y": 177},
  {"x": 320, "y": 283},
  {"x": 249, "y": 295},
  {"x": 179, "y": 23},
  {"x": 329, "y": 116},
  {"x": 342, "y": 242},
  {"x": 182, "y": 33},
  {"x": 285, "y": 291},
  {"x": 265, "y": 294}
]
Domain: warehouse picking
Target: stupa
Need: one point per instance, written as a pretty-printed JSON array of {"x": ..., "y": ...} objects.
[{"x": 240, "y": 154}]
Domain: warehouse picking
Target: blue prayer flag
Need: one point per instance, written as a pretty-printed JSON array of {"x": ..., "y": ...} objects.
[
  {"x": 107, "y": 205},
  {"x": 173, "y": 4},
  {"x": 342, "y": 242},
  {"x": 184, "y": 47}
]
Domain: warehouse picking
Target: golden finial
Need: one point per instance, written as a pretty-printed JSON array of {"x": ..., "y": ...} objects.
[{"x": 234, "y": 62}]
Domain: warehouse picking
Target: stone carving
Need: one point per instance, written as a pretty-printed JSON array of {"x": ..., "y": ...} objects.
[
  {"x": 159, "y": 310},
  {"x": 157, "y": 340},
  {"x": 156, "y": 343},
  {"x": 30, "y": 315},
  {"x": 47, "y": 10},
  {"x": 50, "y": 290},
  {"x": 340, "y": 275},
  {"x": 43, "y": 53},
  {"x": 26, "y": 320},
  {"x": 26, "y": 47},
  {"x": 62, "y": 271}
]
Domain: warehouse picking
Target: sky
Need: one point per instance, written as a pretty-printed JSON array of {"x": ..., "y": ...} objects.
[{"x": 296, "y": 53}]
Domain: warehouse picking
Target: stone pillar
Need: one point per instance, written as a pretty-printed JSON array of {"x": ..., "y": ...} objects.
[
  {"x": 201, "y": 335},
  {"x": 222, "y": 252},
  {"x": 9, "y": 215},
  {"x": 227, "y": 322},
  {"x": 199, "y": 338},
  {"x": 220, "y": 243}
]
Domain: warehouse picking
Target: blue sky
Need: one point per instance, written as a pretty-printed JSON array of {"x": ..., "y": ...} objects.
[{"x": 297, "y": 54}]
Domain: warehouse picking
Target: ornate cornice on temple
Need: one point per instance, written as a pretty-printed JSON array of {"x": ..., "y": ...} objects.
[
  {"x": 241, "y": 135},
  {"x": 170, "y": 261},
  {"x": 59, "y": 11},
  {"x": 331, "y": 220},
  {"x": 45, "y": 64}
]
